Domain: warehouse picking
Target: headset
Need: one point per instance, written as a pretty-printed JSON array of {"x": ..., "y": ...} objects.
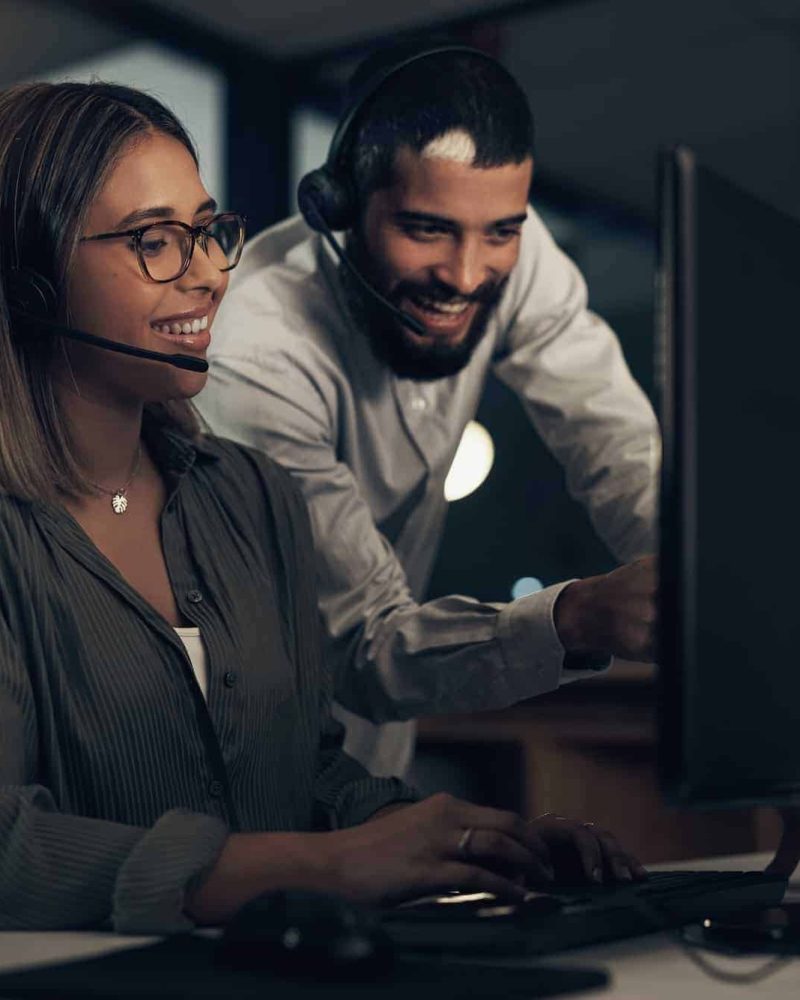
[
  {"x": 327, "y": 201},
  {"x": 32, "y": 301},
  {"x": 326, "y": 196}
]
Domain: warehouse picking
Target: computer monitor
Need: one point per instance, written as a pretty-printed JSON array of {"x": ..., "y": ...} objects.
[{"x": 728, "y": 353}]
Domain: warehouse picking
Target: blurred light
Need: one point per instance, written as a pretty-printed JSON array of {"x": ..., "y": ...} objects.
[
  {"x": 526, "y": 585},
  {"x": 472, "y": 463}
]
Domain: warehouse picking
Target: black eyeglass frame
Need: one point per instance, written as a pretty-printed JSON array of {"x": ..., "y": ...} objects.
[{"x": 198, "y": 234}]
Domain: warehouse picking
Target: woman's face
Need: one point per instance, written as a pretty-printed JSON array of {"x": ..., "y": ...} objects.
[{"x": 155, "y": 179}]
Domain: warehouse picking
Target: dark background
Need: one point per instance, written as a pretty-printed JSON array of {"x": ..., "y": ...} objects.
[{"x": 609, "y": 81}]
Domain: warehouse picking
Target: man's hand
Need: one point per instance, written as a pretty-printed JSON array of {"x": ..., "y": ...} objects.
[
  {"x": 788, "y": 854},
  {"x": 611, "y": 615}
]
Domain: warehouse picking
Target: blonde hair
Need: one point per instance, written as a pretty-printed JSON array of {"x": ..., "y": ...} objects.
[{"x": 58, "y": 143}]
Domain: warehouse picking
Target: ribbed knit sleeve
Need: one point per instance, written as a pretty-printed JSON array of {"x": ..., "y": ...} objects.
[
  {"x": 171, "y": 858},
  {"x": 56, "y": 871},
  {"x": 59, "y": 870},
  {"x": 345, "y": 791}
]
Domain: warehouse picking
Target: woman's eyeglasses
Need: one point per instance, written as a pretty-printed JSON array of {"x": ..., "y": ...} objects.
[{"x": 164, "y": 249}]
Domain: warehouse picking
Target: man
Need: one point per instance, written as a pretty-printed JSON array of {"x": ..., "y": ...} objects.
[{"x": 367, "y": 413}]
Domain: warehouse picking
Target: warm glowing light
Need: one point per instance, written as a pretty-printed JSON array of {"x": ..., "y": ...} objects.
[{"x": 474, "y": 459}]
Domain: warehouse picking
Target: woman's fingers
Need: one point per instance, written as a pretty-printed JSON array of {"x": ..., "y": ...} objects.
[
  {"x": 622, "y": 865},
  {"x": 588, "y": 849},
  {"x": 498, "y": 851},
  {"x": 500, "y": 820},
  {"x": 596, "y": 850},
  {"x": 514, "y": 827}
]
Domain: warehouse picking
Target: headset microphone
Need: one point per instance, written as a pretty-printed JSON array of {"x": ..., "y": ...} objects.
[
  {"x": 326, "y": 196},
  {"x": 176, "y": 360},
  {"x": 324, "y": 230},
  {"x": 32, "y": 299}
]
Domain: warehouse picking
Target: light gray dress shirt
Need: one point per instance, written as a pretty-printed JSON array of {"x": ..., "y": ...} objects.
[{"x": 292, "y": 375}]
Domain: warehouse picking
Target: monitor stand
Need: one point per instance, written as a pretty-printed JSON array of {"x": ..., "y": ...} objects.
[{"x": 774, "y": 930}]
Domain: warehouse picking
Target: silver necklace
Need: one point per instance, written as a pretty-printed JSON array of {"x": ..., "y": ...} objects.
[{"x": 119, "y": 498}]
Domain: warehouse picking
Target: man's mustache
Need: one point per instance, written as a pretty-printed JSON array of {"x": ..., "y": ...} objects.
[{"x": 439, "y": 291}]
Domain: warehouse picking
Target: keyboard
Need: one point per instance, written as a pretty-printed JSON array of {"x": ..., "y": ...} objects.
[{"x": 572, "y": 916}]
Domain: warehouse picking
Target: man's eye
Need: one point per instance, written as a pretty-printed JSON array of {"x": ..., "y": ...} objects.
[
  {"x": 424, "y": 231},
  {"x": 505, "y": 235}
]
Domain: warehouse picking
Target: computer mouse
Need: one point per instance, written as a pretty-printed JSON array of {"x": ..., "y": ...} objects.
[{"x": 308, "y": 935}]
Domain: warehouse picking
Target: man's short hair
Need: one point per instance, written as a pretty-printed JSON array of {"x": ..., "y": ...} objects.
[{"x": 453, "y": 94}]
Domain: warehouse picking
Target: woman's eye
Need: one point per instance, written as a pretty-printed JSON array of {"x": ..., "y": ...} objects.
[{"x": 153, "y": 245}]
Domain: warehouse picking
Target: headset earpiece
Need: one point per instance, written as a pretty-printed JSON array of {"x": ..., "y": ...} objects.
[
  {"x": 323, "y": 198},
  {"x": 29, "y": 293},
  {"x": 327, "y": 194}
]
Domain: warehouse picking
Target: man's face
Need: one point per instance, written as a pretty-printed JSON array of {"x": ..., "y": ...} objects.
[{"x": 439, "y": 243}]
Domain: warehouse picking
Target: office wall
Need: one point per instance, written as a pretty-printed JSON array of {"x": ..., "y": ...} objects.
[
  {"x": 193, "y": 89},
  {"x": 37, "y": 35}
]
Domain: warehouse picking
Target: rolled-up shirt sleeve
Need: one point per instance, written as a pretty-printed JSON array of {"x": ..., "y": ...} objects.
[{"x": 393, "y": 658}]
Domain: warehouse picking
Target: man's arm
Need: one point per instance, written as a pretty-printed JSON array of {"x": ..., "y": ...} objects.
[
  {"x": 566, "y": 366},
  {"x": 394, "y": 658}
]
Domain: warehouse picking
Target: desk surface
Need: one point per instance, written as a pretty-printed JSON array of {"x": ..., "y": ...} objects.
[{"x": 644, "y": 968}]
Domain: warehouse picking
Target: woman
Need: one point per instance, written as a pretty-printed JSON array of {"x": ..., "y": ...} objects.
[{"x": 166, "y": 748}]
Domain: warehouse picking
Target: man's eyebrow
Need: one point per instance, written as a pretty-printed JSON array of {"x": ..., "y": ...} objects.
[
  {"x": 157, "y": 212},
  {"x": 441, "y": 220},
  {"x": 424, "y": 217},
  {"x": 512, "y": 220}
]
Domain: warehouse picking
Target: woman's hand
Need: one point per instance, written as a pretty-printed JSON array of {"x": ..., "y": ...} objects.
[
  {"x": 436, "y": 845},
  {"x": 579, "y": 852},
  {"x": 444, "y": 843},
  {"x": 403, "y": 851}
]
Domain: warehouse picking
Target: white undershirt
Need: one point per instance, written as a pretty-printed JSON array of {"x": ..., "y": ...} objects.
[{"x": 192, "y": 640}]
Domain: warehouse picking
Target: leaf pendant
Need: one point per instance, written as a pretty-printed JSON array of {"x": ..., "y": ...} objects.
[{"x": 119, "y": 503}]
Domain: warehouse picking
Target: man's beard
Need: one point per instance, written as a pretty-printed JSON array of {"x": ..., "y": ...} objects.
[{"x": 393, "y": 343}]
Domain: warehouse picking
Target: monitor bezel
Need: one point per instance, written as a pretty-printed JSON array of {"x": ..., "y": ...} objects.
[{"x": 676, "y": 366}]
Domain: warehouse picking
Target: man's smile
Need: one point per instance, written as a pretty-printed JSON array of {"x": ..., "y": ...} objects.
[{"x": 448, "y": 320}]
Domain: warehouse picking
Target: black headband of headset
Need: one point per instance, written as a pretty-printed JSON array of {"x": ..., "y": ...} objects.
[{"x": 374, "y": 84}]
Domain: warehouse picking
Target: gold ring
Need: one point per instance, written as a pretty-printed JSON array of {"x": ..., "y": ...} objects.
[{"x": 463, "y": 844}]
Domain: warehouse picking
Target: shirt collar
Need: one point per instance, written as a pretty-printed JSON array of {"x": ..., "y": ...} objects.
[{"x": 173, "y": 451}]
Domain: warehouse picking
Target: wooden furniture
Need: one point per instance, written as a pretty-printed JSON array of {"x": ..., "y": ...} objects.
[{"x": 588, "y": 750}]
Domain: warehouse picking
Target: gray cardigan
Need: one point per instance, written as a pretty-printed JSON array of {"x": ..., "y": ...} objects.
[{"x": 118, "y": 781}]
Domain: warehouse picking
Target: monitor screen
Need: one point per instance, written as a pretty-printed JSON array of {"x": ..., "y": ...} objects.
[{"x": 728, "y": 367}]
